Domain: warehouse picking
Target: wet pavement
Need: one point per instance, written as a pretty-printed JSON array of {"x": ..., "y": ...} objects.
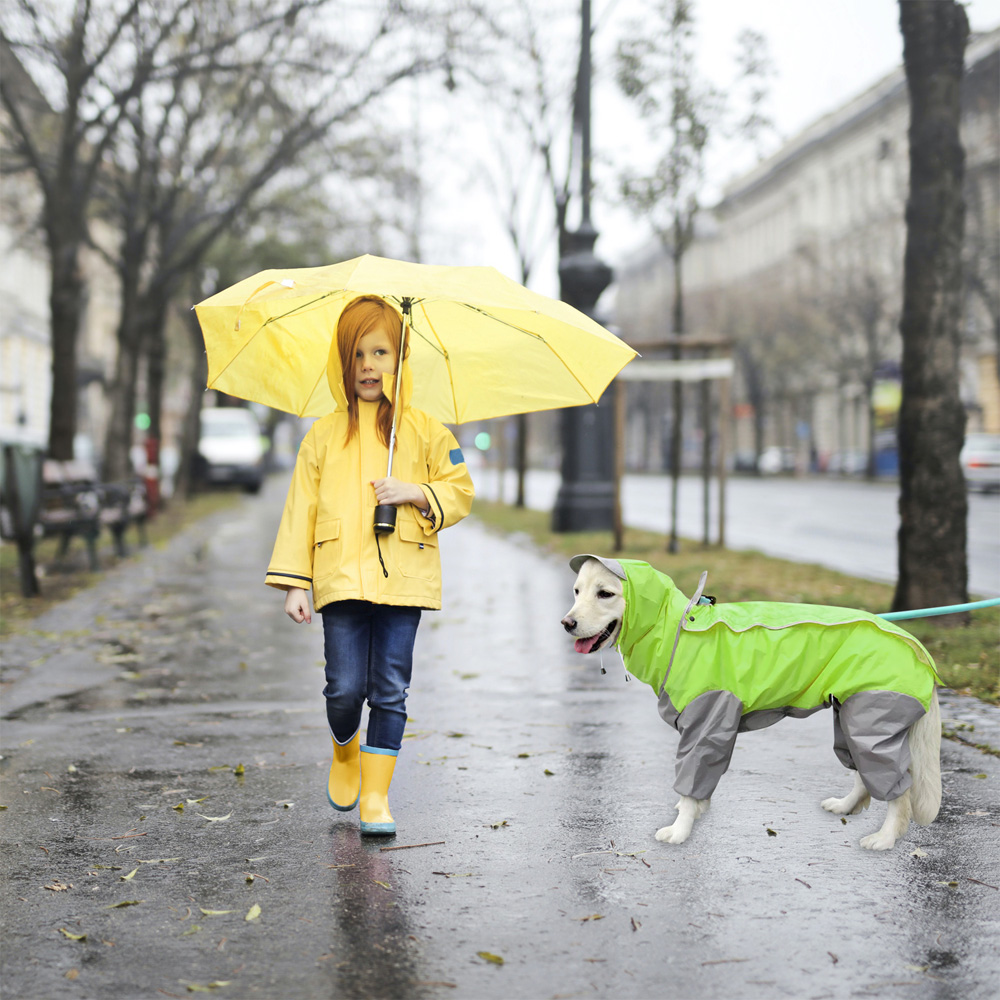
[{"x": 178, "y": 681}]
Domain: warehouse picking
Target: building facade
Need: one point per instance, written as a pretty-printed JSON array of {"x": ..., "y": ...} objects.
[{"x": 801, "y": 264}]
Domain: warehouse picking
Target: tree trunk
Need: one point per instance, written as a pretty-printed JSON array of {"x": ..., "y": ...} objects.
[
  {"x": 154, "y": 337},
  {"x": 677, "y": 426},
  {"x": 522, "y": 456},
  {"x": 184, "y": 482},
  {"x": 933, "y": 505},
  {"x": 871, "y": 460},
  {"x": 66, "y": 306},
  {"x": 118, "y": 439}
]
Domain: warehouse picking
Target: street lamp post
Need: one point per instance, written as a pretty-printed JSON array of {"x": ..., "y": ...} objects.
[{"x": 586, "y": 498}]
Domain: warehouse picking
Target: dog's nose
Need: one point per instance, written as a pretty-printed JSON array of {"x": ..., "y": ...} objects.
[{"x": 569, "y": 623}]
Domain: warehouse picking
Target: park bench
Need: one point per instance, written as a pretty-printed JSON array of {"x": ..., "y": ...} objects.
[
  {"x": 75, "y": 504},
  {"x": 66, "y": 501}
]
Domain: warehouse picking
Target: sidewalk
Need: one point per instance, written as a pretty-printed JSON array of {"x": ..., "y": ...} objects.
[{"x": 544, "y": 779}]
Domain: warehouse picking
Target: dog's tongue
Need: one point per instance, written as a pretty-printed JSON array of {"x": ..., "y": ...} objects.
[{"x": 586, "y": 645}]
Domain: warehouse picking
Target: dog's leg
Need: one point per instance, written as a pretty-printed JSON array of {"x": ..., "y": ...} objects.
[
  {"x": 897, "y": 821},
  {"x": 852, "y": 803},
  {"x": 688, "y": 810}
]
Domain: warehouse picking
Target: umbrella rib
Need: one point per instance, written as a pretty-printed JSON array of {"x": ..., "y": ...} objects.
[
  {"x": 447, "y": 361},
  {"x": 311, "y": 391},
  {"x": 496, "y": 319},
  {"x": 536, "y": 336},
  {"x": 267, "y": 322}
]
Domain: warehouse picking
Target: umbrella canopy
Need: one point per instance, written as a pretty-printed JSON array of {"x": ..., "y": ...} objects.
[{"x": 481, "y": 345}]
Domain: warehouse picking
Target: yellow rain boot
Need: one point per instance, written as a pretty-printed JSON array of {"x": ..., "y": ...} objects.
[
  {"x": 377, "y": 766},
  {"x": 344, "y": 784}
]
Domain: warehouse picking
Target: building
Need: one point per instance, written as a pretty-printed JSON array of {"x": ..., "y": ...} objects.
[{"x": 801, "y": 263}]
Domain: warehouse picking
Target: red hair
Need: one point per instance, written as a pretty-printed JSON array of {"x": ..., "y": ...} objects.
[{"x": 361, "y": 316}]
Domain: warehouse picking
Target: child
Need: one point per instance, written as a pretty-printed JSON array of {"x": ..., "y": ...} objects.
[{"x": 369, "y": 588}]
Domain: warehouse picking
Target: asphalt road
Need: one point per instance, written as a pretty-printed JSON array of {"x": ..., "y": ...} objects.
[
  {"x": 845, "y": 524},
  {"x": 178, "y": 681}
]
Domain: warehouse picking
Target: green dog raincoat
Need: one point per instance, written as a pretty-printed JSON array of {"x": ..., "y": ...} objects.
[{"x": 722, "y": 669}]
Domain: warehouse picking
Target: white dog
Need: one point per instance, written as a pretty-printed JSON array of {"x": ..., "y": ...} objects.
[{"x": 720, "y": 669}]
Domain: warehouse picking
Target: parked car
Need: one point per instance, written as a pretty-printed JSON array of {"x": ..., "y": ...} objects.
[
  {"x": 774, "y": 460},
  {"x": 980, "y": 458},
  {"x": 230, "y": 449}
]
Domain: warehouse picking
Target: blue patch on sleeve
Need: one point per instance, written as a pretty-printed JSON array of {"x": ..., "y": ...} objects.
[{"x": 456, "y": 456}]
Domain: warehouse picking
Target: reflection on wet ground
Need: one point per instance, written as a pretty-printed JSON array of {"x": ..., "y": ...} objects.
[{"x": 164, "y": 747}]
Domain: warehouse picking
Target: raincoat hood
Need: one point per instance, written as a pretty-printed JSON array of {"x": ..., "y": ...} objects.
[
  {"x": 653, "y": 611},
  {"x": 335, "y": 379}
]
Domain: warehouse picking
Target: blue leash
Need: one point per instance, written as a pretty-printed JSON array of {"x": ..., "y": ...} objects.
[{"x": 895, "y": 616}]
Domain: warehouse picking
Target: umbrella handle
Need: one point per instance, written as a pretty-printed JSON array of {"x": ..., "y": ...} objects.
[{"x": 385, "y": 514}]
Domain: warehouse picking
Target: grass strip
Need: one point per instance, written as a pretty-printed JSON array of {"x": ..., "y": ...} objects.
[{"x": 967, "y": 657}]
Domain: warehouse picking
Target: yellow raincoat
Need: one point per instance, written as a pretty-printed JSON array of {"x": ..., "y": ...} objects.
[{"x": 325, "y": 539}]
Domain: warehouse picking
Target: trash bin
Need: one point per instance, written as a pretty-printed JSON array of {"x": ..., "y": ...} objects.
[{"x": 21, "y": 498}]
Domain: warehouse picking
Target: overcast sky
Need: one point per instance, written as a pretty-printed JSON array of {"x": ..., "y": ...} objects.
[{"x": 824, "y": 52}]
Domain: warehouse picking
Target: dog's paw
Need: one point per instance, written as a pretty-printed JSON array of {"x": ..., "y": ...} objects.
[
  {"x": 847, "y": 806},
  {"x": 880, "y": 841},
  {"x": 675, "y": 834}
]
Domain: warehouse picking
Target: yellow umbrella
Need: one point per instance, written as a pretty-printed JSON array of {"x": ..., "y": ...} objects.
[{"x": 481, "y": 345}]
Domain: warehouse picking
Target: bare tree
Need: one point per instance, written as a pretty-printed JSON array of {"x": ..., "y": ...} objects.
[
  {"x": 90, "y": 68},
  {"x": 216, "y": 146},
  {"x": 529, "y": 176},
  {"x": 933, "y": 506},
  {"x": 656, "y": 70}
]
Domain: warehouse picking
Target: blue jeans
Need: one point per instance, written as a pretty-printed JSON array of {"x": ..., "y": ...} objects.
[{"x": 369, "y": 654}]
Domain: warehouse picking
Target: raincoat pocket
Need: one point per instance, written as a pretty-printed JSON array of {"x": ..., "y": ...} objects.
[
  {"x": 327, "y": 549},
  {"x": 417, "y": 553}
]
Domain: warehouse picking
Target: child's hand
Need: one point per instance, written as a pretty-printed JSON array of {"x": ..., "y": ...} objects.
[
  {"x": 394, "y": 492},
  {"x": 297, "y": 606}
]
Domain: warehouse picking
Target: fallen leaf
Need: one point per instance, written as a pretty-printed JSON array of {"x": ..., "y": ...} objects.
[
  {"x": 385, "y": 885},
  {"x": 548, "y": 772},
  {"x": 72, "y": 937},
  {"x": 72, "y": 974},
  {"x": 253, "y": 913},
  {"x": 496, "y": 826},
  {"x": 239, "y": 769},
  {"x": 179, "y": 807},
  {"x": 980, "y": 776},
  {"x": 772, "y": 833},
  {"x": 194, "y": 802},
  {"x": 124, "y": 902},
  {"x": 129, "y": 877},
  {"x": 193, "y": 929},
  {"x": 488, "y": 956},
  {"x": 593, "y": 916},
  {"x": 214, "y": 913},
  {"x": 522, "y": 755},
  {"x": 57, "y": 886},
  {"x": 204, "y": 987},
  {"x": 216, "y": 819}
]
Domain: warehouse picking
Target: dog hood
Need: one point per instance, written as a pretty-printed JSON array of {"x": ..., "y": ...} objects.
[{"x": 769, "y": 654}]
